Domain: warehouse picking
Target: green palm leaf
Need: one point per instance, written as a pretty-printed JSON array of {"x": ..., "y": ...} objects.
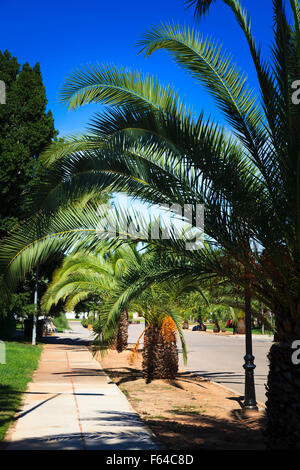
[{"x": 118, "y": 87}]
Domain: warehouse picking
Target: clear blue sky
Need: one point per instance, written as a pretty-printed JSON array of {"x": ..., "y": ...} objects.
[{"x": 64, "y": 34}]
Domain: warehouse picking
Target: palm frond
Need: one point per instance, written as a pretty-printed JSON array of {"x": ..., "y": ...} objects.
[
  {"x": 201, "y": 6},
  {"x": 118, "y": 87},
  {"x": 206, "y": 62}
]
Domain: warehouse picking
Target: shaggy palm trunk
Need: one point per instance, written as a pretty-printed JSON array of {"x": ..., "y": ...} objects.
[
  {"x": 241, "y": 326},
  {"x": 283, "y": 404},
  {"x": 160, "y": 357},
  {"x": 121, "y": 339}
]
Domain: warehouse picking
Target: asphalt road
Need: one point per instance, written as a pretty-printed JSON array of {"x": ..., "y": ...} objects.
[{"x": 221, "y": 358}]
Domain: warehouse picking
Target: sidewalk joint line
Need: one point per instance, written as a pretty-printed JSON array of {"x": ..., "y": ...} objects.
[{"x": 76, "y": 403}]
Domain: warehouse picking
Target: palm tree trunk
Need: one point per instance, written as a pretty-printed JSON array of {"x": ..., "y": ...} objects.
[
  {"x": 121, "y": 339},
  {"x": 241, "y": 326},
  {"x": 282, "y": 429},
  {"x": 122, "y": 335},
  {"x": 160, "y": 357}
]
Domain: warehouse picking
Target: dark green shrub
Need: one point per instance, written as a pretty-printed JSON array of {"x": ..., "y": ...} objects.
[
  {"x": 61, "y": 322},
  {"x": 97, "y": 327}
]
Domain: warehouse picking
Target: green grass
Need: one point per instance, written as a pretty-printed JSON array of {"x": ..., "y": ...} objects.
[
  {"x": 187, "y": 409},
  {"x": 210, "y": 327},
  {"x": 21, "y": 361},
  {"x": 255, "y": 331},
  {"x": 125, "y": 391},
  {"x": 136, "y": 320},
  {"x": 158, "y": 417}
]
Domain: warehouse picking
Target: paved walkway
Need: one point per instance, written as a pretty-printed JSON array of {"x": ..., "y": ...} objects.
[{"x": 72, "y": 405}]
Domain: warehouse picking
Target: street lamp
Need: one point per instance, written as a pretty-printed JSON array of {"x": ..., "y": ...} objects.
[
  {"x": 35, "y": 315},
  {"x": 249, "y": 366}
]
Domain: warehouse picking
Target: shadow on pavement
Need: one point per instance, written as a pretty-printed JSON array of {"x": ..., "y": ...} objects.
[
  {"x": 126, "y": 436},
  {"x": 61, "y": 340},
  {"x": 208, "y": 433},
  {"x": 223, "y": 377},
  {"x": 92, "y": 441},
  {"x": 81, "y": 373},
  {"x": 127, "y": 374}
]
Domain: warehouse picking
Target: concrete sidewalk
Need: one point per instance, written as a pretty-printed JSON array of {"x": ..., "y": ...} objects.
[{"x": 72, "y": 405}]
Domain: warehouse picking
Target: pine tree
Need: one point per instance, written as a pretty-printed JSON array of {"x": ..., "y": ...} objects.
[{"x": 25, "y": 130}]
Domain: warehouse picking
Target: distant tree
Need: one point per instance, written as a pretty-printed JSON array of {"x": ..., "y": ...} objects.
[{"x": 25, "y": 130}]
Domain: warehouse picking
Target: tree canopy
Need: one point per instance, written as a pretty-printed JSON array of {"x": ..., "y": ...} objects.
[{"x": 26, "y": 128}]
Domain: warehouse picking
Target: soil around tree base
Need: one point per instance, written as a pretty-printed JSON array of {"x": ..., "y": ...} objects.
[{"x": 189, "y": 412}]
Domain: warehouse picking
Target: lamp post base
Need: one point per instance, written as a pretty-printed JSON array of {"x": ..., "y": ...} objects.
[
  {"x": 251, "y": 408},
  {"x": 250, "y": 398}
]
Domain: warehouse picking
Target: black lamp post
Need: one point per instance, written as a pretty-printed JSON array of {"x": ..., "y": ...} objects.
[
  {"x": 35, "y": 315},
  {"x": 249, "y": 366},
  {"x": 199, "y": 317}
]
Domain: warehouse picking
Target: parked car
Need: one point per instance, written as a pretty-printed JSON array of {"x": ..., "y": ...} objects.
[
  {"x": 199, "y": 327},
  {"x": 196, "y": 328}
]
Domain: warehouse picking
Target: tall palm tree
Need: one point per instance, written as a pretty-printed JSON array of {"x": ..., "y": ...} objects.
[{"x": 149, "y": 144}]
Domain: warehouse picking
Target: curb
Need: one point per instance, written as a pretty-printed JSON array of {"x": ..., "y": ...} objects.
[{"x": 261, "y": 406}]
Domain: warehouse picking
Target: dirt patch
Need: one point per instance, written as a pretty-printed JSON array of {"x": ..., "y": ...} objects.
[{"x": 189, "y": 412}]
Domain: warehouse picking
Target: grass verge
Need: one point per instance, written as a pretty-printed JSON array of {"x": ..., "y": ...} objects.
[
  {"x": 21, "y": 361},
  {"x": 255, "y": 331}
]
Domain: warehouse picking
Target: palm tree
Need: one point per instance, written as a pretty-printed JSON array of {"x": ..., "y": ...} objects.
[
  {"x": 83, "y": 275},
  {"x": 160, "y": 354},
  {"x": 149, "y": 144},
  {"x": 217, "y": 316},
  {"x": 156, "y": 303}
]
